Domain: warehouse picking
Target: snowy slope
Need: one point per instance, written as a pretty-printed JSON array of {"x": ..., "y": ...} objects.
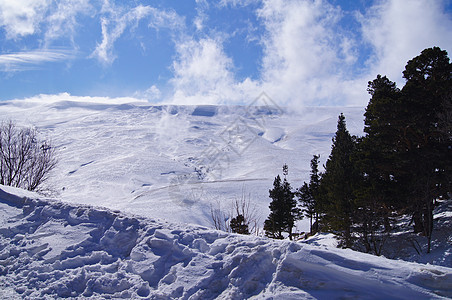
[
  {"x": 176, "y": 162},
  {"x": 52, "y": 249}
]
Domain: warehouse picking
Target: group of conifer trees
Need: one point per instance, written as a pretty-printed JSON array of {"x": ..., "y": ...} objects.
[{"x": 401, "y": 166}]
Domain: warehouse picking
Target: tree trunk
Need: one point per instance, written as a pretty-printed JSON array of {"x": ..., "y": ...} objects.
[
  {"x": 310, "y": 225},
  {"x": 366, "y": 237},
  {"x": 429, "y": 224},
  {"x": 387, "y": 223},
  {"x": 418, "y": 224}
]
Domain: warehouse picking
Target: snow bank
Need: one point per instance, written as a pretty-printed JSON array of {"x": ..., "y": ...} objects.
[{"x": 53, "y": 249}]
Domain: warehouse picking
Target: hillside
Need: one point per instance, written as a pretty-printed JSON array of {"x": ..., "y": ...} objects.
[
  {"x": 53, "y": 249},
  {"x": 176, "y": 162}
]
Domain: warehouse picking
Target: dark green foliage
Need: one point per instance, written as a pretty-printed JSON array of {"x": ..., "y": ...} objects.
[
  {"x": 308, "y": 195},
  {"x": 401, "y": 166},
  {"x": 380, "y": 148},
  {"x": 405, "y": 157},
  {"x": 375, "y": 191},
  {"x": 238, "y": 225},
  {"x": 445, "y": 129},
  {"x": 276, "y": 223},
  {"x": 306, "y": 201},
  {"x": 337, "y": 184},
  {"x": 427, "y": 150},
  {"x": 283, "y": 209},
  {"x": 378, "y": 190}
]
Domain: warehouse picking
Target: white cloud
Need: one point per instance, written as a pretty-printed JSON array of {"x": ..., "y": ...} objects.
[
  {"x": 305, "y": 61},
  {"x": 152, "y": 94},
  {"x": 54, "y": 19},
  {"x": 399, "y": 30},
  {"x": 115, "y": 21},
  {"x": 203, "y": 74},
  {"x": 165, "y": 19},
  {"x": 309, "y": 59},
  {"x": 113, "y": 27},
  {"x": 236, "y": 3},
  {"x": 305, "y": 56},
  {"x": 200, "y": 19},
  {"x": 308, "y": 56},
  {"x": 62, "y": 20},
  {"x": 21, "y": 18},
  {"x": 201, "y": 71},
  {"x": 31, "y": 59},
  {"x": 54, "y": 98}
]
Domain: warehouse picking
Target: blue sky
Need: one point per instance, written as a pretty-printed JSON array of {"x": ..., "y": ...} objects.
[{"x": 300, "y": 52}]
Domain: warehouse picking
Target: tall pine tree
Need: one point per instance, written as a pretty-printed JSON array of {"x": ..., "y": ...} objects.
[
  {"x": 284, "y": 211},
  {"x": 378, "y": 191},
  {"x": 406, "y": 154},
  {"x": 308, "y": 195},
  {"x": 428, "y": 151},
  {"x": 337, "y": 184}
]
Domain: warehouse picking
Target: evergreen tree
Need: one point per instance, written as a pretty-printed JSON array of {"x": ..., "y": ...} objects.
[
  {"x": 378, "y": 190},
  {"x": 373, "y": 202},
  {"x": 314, "y": 185},
  {"x": 306, "y": 201},
  {"x": 283, "y": 207},
  {"x": 275, "y": 225},
  {"x": 406, "y": 154},
  {"x": 238, "y": 225},
  {"x": 308, "y": 194},
  {"x": 426, "y": 149},
  {"x": 337, "y": 184},
  {"x": 380, "y": 153}
]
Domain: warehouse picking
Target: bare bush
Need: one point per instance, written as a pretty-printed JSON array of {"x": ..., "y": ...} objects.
[
  {"x": 240, "y": 209},
  {"x": 25, "y": 161},
  {"x": 220, "y": 217}
]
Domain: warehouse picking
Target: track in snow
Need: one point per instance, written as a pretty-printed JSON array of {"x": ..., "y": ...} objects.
[{"x": 54, "y": 249}]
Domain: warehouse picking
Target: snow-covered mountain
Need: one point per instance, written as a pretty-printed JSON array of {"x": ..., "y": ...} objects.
[
  {"x": 177, "y": 162},
  {"x": 133, "y": 176},
  {"x": 51, "y": 249}
]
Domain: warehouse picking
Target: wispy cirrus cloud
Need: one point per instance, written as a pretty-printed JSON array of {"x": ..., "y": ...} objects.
[
  {"x": 300, "y": 52},
  {"x": 20, "y": 61},
  {"x": 62, "y": 20},
  {"x": 309, "y": 57},
  {"x": 116, "y": 20}
]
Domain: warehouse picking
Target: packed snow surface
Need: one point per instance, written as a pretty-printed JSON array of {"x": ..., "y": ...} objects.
[
  {"x": 52, "y": 249},
  {"x": 177, "y": 162}
]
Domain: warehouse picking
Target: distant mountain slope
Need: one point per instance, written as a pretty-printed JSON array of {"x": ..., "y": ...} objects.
[
  {"x": 51, "y": 249},
  {"x": 176, "y": 162}
]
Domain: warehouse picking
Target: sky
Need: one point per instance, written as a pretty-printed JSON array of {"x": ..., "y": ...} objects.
[{"x": 299, "y": 52}]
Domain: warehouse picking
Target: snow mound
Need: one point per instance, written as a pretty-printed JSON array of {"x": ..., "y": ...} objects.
[
  {"x": 274, "y": 134},
  {"x": 51, "y": 249}
]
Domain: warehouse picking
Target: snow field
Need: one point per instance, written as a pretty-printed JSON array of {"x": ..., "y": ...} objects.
[
  {"x": 54, "y": 249},
  {"x": 158, "y": 161},
  {"x": 149, "y": 163}
]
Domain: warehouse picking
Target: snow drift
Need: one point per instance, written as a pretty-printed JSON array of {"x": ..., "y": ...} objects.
[{"x": 53, "y": 249}]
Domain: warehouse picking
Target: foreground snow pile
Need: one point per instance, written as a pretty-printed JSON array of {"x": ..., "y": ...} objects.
[{"x": 50, "y": 248}]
